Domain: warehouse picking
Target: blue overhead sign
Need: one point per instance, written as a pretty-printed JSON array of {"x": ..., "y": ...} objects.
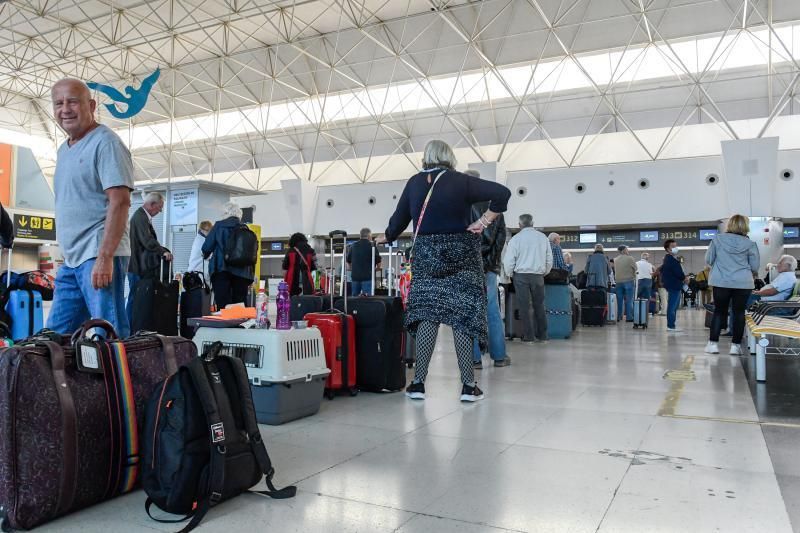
[
  {"x": 708, "y": 234},
  {"x": 648, "y": 236}
]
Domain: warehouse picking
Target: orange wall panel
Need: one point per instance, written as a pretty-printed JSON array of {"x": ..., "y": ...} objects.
[{"x": 6, "y": 153}]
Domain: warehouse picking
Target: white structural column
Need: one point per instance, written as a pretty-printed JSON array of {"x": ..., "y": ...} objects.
[
  {"x": 751, "y": 177},
  {"x": 301, "y": 204},
  {"x": 751, "y": 173},
  {"x": 490, "y": 170}
]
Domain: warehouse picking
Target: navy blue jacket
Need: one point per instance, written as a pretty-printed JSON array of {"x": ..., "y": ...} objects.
[
  {"x": 450, "y": 206},
  {"x": 672, "y": 275},
  {"x": 214, "y": 246}
]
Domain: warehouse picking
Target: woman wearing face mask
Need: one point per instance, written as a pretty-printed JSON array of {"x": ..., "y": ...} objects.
[{"x": 672, "y": 278}]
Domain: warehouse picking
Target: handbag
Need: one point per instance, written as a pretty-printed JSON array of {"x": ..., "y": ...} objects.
[
  {"x": 410, "y": 251},
  {"x": 557, "y": 276}
]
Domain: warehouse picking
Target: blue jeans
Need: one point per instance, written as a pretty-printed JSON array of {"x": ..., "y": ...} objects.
[
  {"x": 625, "y": 292},
  {"x": 76, "y": 301},
  {"x": 361, "y": 287},
  {"x": 673, "y": 302},
  {"x": 133, "y": 280},
  {"x": 497, "y": 330},
  {"x": 645, "y": 289}
]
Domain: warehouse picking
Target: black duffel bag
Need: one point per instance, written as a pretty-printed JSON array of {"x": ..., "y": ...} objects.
[
  {"x": 202, "y": 445},
  {"x": 557, "y": 276}
]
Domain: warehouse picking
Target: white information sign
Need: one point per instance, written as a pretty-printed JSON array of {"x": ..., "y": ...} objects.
[{"x": 183, "y": 207}]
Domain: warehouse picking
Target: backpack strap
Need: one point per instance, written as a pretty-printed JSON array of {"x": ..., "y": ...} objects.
[
  {"x": 251, "y": 426},
  {"x": 214, "y": 474}
]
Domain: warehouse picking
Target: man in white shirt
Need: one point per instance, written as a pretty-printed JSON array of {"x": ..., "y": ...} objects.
[
  {"x": 780, "y": 288},
  {"x": 644, "y": 277},
  {"x": 530, "y": 257}
]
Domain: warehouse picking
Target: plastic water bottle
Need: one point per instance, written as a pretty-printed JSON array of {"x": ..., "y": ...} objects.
[
  {"x": 283, "y": 305},
  {"x": 262, "y": 320}
]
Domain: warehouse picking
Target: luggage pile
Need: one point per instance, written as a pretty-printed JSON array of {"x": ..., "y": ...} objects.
[{"x": 21, "y": 307}]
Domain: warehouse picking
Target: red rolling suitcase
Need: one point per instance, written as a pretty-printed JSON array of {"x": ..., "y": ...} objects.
[{"x": 339, "y": 338}]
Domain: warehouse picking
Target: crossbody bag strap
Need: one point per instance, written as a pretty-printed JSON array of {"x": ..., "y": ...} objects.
[{"x": 425, "y": 207}]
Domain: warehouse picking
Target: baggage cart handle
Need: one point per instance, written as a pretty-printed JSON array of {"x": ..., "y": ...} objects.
[{"x": 337, "y": 233}]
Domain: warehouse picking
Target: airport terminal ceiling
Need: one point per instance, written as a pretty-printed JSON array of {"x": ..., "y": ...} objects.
[{"x": 343, "y": 91}]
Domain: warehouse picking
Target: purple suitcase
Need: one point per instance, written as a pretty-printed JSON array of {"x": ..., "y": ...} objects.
[{"x": 70, "y": 437}]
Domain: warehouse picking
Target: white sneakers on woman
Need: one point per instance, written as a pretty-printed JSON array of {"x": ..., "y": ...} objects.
[{"x": 713, "y": 347}]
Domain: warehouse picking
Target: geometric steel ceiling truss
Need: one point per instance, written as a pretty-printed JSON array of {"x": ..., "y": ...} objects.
[{"x": 348, "y": 77}]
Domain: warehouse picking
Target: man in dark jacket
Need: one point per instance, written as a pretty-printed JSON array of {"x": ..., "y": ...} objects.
[
  {"x": 673, "y": 279},
  {"x": 359, "y": 259},
  {"x": 146, "y": 252},
  {"x": 493, "y": 239}
]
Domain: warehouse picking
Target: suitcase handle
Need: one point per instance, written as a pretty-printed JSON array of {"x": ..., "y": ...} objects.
[{"x": 95, "y": 323}]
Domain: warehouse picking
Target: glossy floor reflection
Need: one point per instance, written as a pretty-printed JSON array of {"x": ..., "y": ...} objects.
[{"x": 583, "y": 435}]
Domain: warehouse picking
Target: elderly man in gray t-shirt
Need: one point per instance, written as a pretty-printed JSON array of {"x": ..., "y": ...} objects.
[{"x": 93, "y": 182}]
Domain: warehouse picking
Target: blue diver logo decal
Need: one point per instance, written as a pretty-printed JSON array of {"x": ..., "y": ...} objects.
[{"x": 135, "y": 99}]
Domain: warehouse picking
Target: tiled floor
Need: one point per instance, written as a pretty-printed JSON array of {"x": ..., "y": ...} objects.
[{"x": 568, "y": 439}]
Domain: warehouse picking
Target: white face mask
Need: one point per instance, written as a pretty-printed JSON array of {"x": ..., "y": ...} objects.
[{"x": 674, "y": 251}]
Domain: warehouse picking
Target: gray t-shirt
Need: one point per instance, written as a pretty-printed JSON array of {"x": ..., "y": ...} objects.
[{"x": 84, "y": 171}]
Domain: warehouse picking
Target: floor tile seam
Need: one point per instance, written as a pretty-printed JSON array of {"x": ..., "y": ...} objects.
[
  {"x": 486, "y": 524},
  {"x": 777, "y": 482},
  {"x": 622, "y": 479},
  {"x": 361, "y": 502},
  {"x": 356, "y": 456},
  {"x": 537, "y": 426}
]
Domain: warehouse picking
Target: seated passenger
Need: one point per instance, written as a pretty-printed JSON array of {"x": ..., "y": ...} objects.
[{"x": 781, "y": 287}]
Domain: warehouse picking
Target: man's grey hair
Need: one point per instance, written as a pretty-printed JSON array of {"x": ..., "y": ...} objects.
[
  {"x": 526, "y": 220},
  {"x": 232, "y": 209},
  {"x": 365, "y": 233},
  {"x": 645, "y": 256},
  {"x": 790, "y": 260},
  {"x": 553, "y": 237},
  {"x": 153, "y": 197},
  {"x": 598, "y": 247},
  {"x": 472, "y": 172},
  {"x": 438, "y": 154},
  {"x": 567, "y": 256}
]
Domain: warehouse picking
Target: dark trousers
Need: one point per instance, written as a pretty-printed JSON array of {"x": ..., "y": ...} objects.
[
  {"x": 723, "y": 298},
  {"x": 530, "y": 290},
  {"x": 229, "y": 289}
]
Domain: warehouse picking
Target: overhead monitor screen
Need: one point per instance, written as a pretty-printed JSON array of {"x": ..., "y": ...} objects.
[
  {"x": 708, "y": 234},
  {"x": 588, "y": 238},
  {"x": 648, "y": 236},
  {"x": 276, "y": 246},
  {"x": 791, "y": 233}
]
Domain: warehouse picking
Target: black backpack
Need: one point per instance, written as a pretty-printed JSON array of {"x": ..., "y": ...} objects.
[
  {"x": 202, "y": 445},
  {"x": 241, "y": 248}
]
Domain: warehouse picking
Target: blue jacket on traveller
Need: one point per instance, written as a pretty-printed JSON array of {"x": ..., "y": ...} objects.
[
  {"x": 734, "y": 259},
  {"x": 214, "y": 246},
  {"x": 672, "y": 275}
]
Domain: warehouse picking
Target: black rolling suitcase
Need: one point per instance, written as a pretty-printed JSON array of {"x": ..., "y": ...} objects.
[
  {"x": 513, "y": 321},
  {"x": 593, "y": 307},
  {"x": 155, "y": 305},
  {"x": 301, "y": 305},
  {"x": 379, "y": 341},
  {"x": 195, "y": 301}
]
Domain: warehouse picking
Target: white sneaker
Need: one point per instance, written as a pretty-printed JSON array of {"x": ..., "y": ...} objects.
[
  {"x": 712, "y": 347},
  {"x": 736, "y": 349},
  {"x": 674, "y": 330}
]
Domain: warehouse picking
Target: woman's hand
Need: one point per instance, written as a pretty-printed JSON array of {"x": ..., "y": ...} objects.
[{"x": 476, "y": 227}]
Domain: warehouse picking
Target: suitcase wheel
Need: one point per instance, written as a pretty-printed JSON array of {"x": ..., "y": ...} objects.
[
  {"x": 410, "y": 365},
  {"x": 330, "y": 394},
  {"x": 353, "y": 391}
]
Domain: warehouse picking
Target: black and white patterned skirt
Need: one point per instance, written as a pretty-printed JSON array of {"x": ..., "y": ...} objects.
[{"x": 448, "y": 284}]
